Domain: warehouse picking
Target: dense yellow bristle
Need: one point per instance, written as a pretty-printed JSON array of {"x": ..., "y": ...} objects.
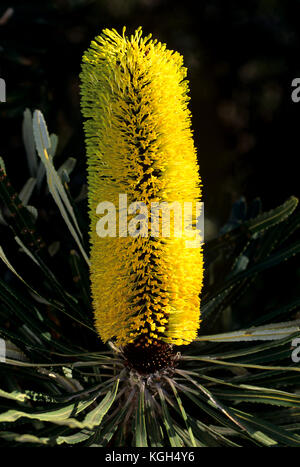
[{"x": 134, "y": 98}]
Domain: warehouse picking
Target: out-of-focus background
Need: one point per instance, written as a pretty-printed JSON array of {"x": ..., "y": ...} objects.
[{"x": 241, "y": 56}]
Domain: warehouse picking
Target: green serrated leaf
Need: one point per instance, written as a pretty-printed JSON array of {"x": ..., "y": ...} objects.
[
  {"x": 24, "y": 438},
  {"x": 273, "y": 217},
  {"x": 267, "y": 332},
  {"x": 58, "y": 416}
]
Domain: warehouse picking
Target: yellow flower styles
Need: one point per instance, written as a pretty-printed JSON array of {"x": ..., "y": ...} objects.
[{"x": 134, "y": 98}]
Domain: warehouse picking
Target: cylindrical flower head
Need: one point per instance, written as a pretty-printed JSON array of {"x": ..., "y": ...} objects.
[{"x": 145, "y": 283}]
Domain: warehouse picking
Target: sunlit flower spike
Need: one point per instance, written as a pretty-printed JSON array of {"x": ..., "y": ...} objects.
[{"x": 134, "y": 97}]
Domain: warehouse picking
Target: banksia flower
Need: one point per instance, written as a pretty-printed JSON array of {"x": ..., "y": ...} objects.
[{"x": 146, "y": 285}]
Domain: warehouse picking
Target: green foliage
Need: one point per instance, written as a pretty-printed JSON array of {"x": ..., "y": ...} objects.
[{"x": 235, "y": 386}]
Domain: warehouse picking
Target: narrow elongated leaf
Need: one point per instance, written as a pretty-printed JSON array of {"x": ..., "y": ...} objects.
[
  {"x": 15, "y": 395},
  {"x": 173, "y": 437},
  {"x": 78, "y": 437},
  {"x": 216, "y": 415},
  {"x": 24, "y": 438},
  {"x": 273, "y": 217},
  {"x": 267, "y": 332},
  {"x": 53, "y": 145},
  {"x": 59, "y": 416},
  {"x": 273, "y": 432},
  {"x": 140, "y": 423},
  {"x": 67, "y": 167},
  {"x": 29, "y": 438},
  {"x": 154, "y": 430},
  {"x": 246, "y": 365},
  {"x": 56, "y": 188},
  {"x": 95, "y": 417},
  {"x": 183, "y": 413},
  {"x": 239, "y": 396},
  {"x": 29, "y": 144}
]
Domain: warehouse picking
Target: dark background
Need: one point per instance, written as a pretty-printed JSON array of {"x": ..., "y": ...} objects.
[{"x": 241, "y": 56}]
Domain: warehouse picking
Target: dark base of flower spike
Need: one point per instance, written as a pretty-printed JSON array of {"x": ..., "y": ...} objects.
[{"x": 147, "y": 359}]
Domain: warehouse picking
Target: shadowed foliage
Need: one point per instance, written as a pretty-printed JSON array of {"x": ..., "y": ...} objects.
[{"x": 236, "y": 385}]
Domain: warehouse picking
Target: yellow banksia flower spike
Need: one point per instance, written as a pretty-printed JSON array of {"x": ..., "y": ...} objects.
[{"x": 134, "y": 97}]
